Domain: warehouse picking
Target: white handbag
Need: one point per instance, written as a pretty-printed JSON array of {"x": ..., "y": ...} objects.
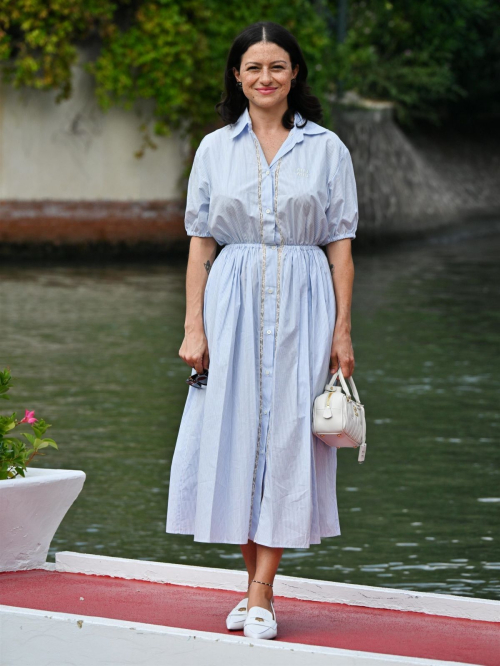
[{"x": 338, "y": 418}]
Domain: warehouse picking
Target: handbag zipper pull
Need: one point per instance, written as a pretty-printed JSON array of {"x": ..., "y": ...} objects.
[{"x": 362, "y": 451}]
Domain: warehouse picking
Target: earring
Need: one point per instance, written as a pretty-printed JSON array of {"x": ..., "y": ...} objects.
[
  {"x": 293, "y": 83},
  {"x": 239, "y": 84}
]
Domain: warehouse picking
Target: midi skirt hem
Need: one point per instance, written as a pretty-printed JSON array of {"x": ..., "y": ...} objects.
[{"x": 261, "y": 543}]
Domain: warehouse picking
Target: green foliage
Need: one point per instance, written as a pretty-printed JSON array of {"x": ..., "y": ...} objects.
[
  {"x": 38, "y": 39},
  {"x": 169, "y": 55},
  {"x": 5, "y": 384},
  {"x": 15, "y": 453},
  {"x": 417, "y": 54}
]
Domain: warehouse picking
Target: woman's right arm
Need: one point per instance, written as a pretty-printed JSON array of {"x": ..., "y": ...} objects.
[{"x": 194, "y": 348}]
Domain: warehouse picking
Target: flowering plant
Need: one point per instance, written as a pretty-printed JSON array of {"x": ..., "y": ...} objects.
[{"x": 15, "y": 455}]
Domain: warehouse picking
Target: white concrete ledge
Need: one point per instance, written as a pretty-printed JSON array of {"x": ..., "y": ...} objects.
[
  {"x": 447, "y": 605},
  {"x": 59, "y": 639}
]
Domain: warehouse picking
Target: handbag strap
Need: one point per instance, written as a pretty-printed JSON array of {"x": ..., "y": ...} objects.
[{"x": 340, "y": 375}]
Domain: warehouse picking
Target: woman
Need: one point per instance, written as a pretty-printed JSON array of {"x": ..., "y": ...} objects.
[{"x": 269, "y": 318}]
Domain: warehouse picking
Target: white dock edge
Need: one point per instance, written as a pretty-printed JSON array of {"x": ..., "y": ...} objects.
[
  {"x": 59, "y": 639},
  {"x": 448, "y": 605}
]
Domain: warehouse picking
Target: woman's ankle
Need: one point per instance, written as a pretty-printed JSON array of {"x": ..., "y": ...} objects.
[
  {"x": 248, "y": 588},
  {"x": 261, "y": 590}
]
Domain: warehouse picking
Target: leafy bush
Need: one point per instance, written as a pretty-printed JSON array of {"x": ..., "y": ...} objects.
[
  {"x": 167, "y": 52},
  {"x": 424, "y": 55},
  {"x": 15, "y": 454}
]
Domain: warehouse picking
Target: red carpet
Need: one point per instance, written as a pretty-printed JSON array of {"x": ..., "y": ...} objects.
[{"x": 314, "y": 623}]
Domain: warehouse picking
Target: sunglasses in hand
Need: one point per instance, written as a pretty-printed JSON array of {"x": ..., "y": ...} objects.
[{"x": 198, "y": 380}]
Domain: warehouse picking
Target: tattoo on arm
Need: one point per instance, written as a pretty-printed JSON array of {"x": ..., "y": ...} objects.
[
  {"x": 208, "y": 266},
  {"x": 332, "y": 269}
]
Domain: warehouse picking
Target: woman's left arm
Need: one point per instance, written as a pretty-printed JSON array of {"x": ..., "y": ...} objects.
[{"x": 342, "y": 270}]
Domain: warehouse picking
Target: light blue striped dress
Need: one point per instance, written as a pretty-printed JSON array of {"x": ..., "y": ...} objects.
[{"x": 246, "y": 464}]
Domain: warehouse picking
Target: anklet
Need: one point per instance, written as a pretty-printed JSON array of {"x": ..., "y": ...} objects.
[{"x": 259, "y": 581}]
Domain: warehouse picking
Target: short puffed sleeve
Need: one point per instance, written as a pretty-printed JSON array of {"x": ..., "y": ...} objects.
[
  {"x": 342, "y": 210},
  {"x": 198, "y": 195}
]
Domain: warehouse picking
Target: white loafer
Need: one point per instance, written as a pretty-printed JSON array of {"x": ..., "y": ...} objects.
[
  {"x": 236, "y": 618},
  {"x": 260, "y": 623}
]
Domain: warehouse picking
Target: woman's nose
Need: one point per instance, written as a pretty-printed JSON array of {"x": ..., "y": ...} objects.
[{"x": 265, "y": 77}]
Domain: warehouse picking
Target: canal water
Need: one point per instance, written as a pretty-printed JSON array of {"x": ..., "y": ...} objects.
[{"x": 94, "y": 351}]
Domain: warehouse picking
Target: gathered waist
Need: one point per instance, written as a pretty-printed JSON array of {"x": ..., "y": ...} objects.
[{"x": 274, "y": 246}]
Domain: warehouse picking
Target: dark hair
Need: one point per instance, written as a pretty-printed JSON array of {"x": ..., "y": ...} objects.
[{"x": 300, "y": 99}]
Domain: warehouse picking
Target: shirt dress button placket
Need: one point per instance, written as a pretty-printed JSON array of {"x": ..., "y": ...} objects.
[{"x": 270, "y": 268}]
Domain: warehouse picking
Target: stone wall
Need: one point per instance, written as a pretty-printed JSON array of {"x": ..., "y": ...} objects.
[
  {"x": 73, "y": 151},
  {"x": 422, "y": 179}
]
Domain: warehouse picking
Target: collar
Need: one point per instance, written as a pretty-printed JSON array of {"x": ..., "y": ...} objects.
[{"x": 244, "y": 120}]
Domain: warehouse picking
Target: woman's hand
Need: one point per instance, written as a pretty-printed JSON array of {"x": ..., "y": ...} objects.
[
  {"x": 194, "y": 348},
  {"x": 342, "y": 352}
]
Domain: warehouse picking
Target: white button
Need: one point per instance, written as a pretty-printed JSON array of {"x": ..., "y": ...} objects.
[
  {"x": 267, "y": 372},
  {"x": 268, "y": 331},
  {"x": 270, "y": 290},
  {"x": 265, "y": 411},
  {"x": 268, "y": 210}
]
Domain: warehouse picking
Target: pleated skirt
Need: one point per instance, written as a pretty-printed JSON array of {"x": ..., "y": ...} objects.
[{"x": 246, "y": 464}]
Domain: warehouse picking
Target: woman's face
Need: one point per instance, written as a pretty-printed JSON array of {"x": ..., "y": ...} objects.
[{"x": 266, "y": 73}]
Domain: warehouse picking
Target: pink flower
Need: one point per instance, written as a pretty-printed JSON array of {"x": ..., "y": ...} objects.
[{"x": 28, "y": 417}]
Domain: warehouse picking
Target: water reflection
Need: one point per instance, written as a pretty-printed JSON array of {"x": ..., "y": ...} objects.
[{"x": 95, "y": 350}]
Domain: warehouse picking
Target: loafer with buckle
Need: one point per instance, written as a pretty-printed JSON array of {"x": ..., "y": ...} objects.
[
  {"x": 236, "y": 618},
  {"x": 260, "y": 623}
]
